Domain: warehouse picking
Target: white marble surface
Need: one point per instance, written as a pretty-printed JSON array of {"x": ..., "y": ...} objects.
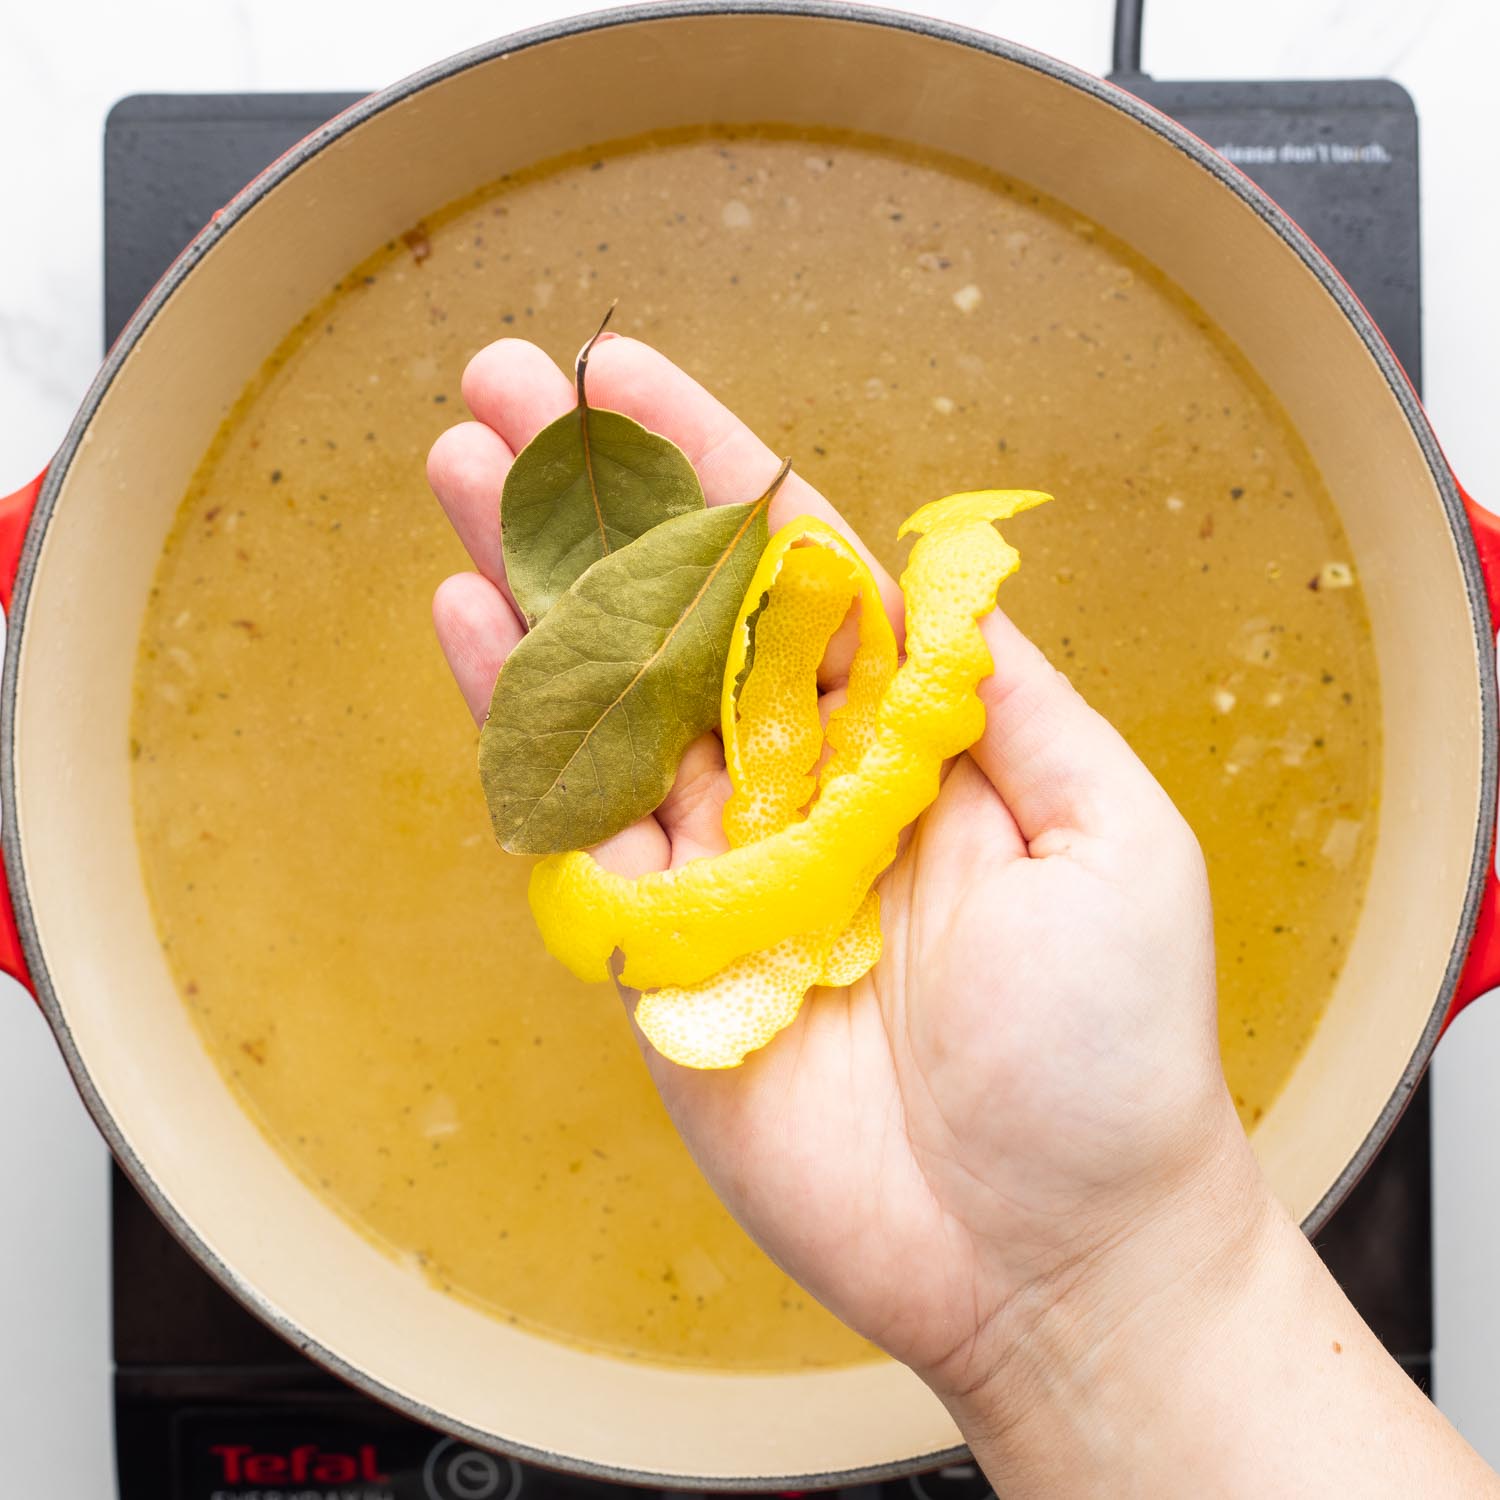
[{"x": 62, "y": 65}]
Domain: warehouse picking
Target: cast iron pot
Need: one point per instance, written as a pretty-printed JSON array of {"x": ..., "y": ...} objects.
[{"x": 81, "y": 544}]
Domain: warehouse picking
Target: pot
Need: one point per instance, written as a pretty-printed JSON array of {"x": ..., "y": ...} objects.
[{"x": 78, "y": 548}]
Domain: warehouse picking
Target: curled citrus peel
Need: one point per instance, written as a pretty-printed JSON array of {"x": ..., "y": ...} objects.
[{"x": 728, "y": 946}]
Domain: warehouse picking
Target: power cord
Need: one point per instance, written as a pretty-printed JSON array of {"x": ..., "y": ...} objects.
[{"x": 1127, "y": 50}]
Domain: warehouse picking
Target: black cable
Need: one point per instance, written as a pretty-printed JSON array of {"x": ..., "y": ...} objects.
[{"x": 1127, "y": 62}]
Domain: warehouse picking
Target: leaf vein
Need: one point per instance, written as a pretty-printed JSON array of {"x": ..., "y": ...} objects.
[{"x": 725, "y": 554}]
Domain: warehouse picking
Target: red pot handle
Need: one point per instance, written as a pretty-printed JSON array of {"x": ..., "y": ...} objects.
[
  {"x": 1481, "y": 969},
  {"x": 15, "y": 517}
]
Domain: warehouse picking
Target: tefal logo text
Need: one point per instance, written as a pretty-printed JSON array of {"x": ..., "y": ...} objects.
[{"x": 242, "y": 1464}]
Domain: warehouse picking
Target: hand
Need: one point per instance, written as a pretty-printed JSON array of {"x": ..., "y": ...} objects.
[
  {"x": 1032, "y": 1064},
  {"x": 988, "y": 1154}
]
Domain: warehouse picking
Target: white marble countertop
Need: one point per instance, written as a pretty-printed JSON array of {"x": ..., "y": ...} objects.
[{"x": 62, "y": 66}]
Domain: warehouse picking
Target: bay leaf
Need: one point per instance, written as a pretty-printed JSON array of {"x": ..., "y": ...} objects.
[
  {"x": 595, "y": 707},
  {"x": 586, "y": 485}
]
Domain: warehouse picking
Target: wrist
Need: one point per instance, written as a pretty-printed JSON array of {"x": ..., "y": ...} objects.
[
  {"x": 1073, "y": 1361},
  {"x": 1207, "y": 1352}
]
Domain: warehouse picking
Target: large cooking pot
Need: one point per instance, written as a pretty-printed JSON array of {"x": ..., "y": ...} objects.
[{"x": 81, "y": 545}]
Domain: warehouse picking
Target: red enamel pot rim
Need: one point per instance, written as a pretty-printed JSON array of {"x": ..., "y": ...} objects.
[{"x": 1472, "y": 534}]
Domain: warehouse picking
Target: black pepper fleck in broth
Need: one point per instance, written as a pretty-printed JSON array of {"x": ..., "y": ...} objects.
[{"x": 905, "y": 327}]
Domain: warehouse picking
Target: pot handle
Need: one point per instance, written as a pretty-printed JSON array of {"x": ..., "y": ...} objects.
[
  {"x": 15, "y": 517},
  {"x": 1481, "y": 970}
]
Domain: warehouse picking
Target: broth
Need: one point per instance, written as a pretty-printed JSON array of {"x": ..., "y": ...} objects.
[{"x": 358, "y": 956}]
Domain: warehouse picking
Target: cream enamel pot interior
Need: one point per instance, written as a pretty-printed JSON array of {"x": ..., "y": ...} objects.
[{"x": 93, "y": 529}]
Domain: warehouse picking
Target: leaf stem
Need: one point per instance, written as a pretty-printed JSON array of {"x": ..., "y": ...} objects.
[
  {"x": 776, "y": 483},
  {"x": 581, "y": 364},
  {"x": 580, "y": 370}
]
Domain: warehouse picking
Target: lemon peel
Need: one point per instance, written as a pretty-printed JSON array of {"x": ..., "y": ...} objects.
[
  {"x": 807, "y": 580},
  {"x": 731, "y": 944},
  {"x": 773, "y": 735}
]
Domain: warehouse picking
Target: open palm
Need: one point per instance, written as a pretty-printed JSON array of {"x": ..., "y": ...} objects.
[{"x": 999, "y": 1100}]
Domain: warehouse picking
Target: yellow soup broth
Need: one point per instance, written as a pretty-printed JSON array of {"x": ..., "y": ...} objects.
[{"x": 356, "y": 952}]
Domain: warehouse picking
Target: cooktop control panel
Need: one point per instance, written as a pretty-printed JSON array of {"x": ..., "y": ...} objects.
[
  {"x": 248, "y": 1453},
  {"x": 212, "y": 1406},
  {"x": 342, "y": 1450}
]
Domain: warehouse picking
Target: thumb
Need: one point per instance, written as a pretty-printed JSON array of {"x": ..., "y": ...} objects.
[{"x": 1057, "y": 764}]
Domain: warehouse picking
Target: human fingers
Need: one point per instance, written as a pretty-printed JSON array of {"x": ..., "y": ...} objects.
[
  {"x": 688, "y": 825},
  {"x": 638, "y": 850},
  {"x": 968, "y": 829},
  {"x": 1060, "y": 767},
  {"x": 466, "y": 468},
  {"x": 477, "y": 629},
  {"x": 732, "y": 463},
  {"x": 693, "y": 814},
  {"x": 515, "y": 389}
]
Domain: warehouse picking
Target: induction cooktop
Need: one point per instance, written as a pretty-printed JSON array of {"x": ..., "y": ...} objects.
[{"x": 210, "y": 1404}]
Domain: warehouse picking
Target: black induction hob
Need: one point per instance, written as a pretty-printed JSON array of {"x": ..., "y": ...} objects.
[{"x": 210, "y": 1405}]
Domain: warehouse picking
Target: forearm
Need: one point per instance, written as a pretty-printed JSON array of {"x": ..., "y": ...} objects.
[{"x": 1200, "y": 1368}]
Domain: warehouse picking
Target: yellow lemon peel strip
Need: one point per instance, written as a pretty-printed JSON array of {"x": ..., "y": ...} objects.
[
  {"x": 806, "y": 884},
  {"x": 773, "y": 734},
  {"x": 854, "y": 952},
  {"x": 716, "y": 1023}
]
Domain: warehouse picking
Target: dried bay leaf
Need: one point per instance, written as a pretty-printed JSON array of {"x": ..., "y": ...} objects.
[
  {"x": 586, "y": 485},
  {"x": 595, "y": 707}
]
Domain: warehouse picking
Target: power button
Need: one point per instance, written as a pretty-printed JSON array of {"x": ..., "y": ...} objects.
[{"x": 455, "y": 1471}]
